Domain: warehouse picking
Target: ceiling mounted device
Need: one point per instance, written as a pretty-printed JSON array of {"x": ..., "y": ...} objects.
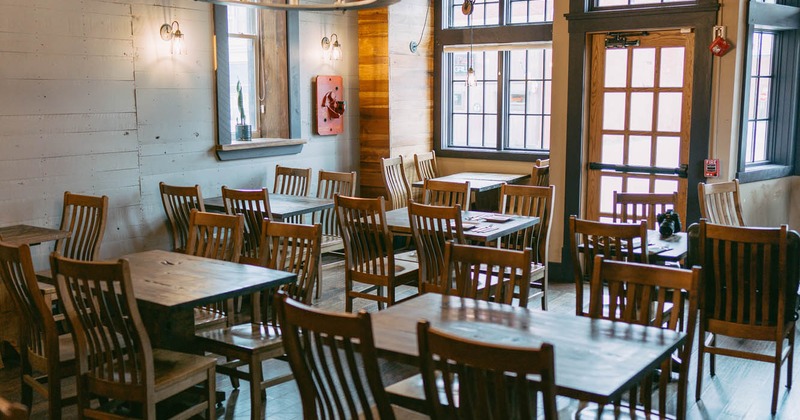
[{"x": 305, "y": 5}]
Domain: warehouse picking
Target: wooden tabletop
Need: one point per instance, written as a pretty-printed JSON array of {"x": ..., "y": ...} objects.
[
  {"x": 282, "y": 206},
  {"x": 596, "y": 360},
  {"x": 480, "y": 181},
  {"x": 31, "y": 235},
  {"x": 483, "y": 231},
  {"x": 673, "y": 248},
  {"x": 175, "y": 281}
]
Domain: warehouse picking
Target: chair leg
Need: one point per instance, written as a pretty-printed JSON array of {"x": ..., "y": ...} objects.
[
  {"x": 790, "y": 362},
  {"x": 712, "y": 358},
  {"x": 776, "y": 377},
  {"x": 234, "y": 379},
  {"x": 379, "y": 292},
  {"x": 27, "y": 390},
  {"x": 211, "y": 387},
  {"x": 54, "y": 399},
  {"x": 700, "y": 356},
  {"x": 257, "y": 407},
  {"x": 348, "y": 287},
  {"x": 319, "y": 278}
]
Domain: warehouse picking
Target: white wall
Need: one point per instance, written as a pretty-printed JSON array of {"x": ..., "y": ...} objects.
[{"x": 92, "y": 101}]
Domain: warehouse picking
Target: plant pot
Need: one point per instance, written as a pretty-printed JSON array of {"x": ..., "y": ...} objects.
[{"x": 244, "y": 132}]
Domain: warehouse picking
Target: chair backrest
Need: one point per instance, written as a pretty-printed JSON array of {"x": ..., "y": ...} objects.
[
  {"x": 40, "y": 336},
  {"x": 292, "y": 181},
  {"x": 425, "y": 164},
  {"x": 749, "y": 277},
  {"x": 720, "y": 203},
  {"x": 633, "y": 207},
  {"x": 469, "y": 379},
  {"x": 334, "y": 362},
  {"x": 650, "y": 295},
  {"x": 531, "y": 201},
  {"x": 615, "y": 241},
  {"x": 215, "y": 235},
  {"x": 446, "y": 193},
  {"x": 329, "y": 184},
  {"x": 490, "y": 274},
  {"x": 432, "y": 227},
  {"x": 253, "y": 205},
  {"x": 540, "y": 175},
  {"x": 178, "y": 203},
  {"x": 84, "y": 216},
  {"x": 294, "y": 248},
  {"x": 398, "y": 190},
  {"x": 368, "y": 248},
  {"x": 112, "y": 346}
]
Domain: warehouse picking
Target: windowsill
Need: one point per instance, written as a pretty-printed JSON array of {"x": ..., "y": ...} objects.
[
  {"x": 257, "y": 148},
  {"x": 763, "y": 173},
  {"x": 493, "y": 155}
]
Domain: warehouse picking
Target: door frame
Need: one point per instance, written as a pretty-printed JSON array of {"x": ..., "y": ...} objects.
[{"x": 701, "y": 17}]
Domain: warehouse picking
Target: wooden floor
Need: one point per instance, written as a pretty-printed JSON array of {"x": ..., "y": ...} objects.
[{"x": 740, "y": 390}]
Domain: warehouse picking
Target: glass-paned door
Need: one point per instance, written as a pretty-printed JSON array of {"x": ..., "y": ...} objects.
[{"x": 639, "y": 117}]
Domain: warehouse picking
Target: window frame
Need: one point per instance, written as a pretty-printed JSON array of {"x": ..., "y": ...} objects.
[
  {"x": 504, "y": 33},
  {"x": 781, "y": 159}
]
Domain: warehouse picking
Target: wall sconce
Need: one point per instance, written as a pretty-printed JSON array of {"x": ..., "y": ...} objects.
[
  {"x": 172, "y": 32},
  {"x": 335, "y": 53}
]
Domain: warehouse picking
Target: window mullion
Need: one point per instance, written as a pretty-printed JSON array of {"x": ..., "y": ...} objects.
[{"x": 502, "y": 95}]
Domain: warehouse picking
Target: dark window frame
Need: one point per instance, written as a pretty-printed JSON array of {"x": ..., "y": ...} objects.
[
  {"x": 784, "y": 21},
  {"x": 505, "y": 33}
]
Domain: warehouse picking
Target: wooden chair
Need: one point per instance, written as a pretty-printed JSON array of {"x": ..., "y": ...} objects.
[
  {"x": 287, "y": 247},
  {"x": 368, "y": 251},
  {"x": 720, "y": 203},
  {"x": 445, "y": 193},
  {"x": 178, "y": 203},
  {"x": 334, "y": 361},
  {"x": 470, "y": 379},
  {"x": 115, "y": 358},
  {"x": 750, "y": 290},
  {"x": 253, "y": 205},
  {"x": 432, "y": 227},
  {"x": 613, "y": 240},
  {"x": 425, "y": 164},
  {"x": 641, "y": 294},
  {"x": 216, "y": 236},
  {"x": 540, "y": 175},
  {"x": 633, "y": 207},
  {"x": 330, "y": 184},
  {"x": 291, "y": 181},
  {"x": 490, "y": 274},
  {"x": 45, "y": 356},
  {"x": 84, "y": 216},
  {"x": 532, "y": 201},
  {"x": 398, "y": 190}
]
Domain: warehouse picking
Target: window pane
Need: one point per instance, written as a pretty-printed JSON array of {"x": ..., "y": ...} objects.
[
  {"x": 242, "y": 20},
  {"x": 638, "y": 185},
  {"x": 612, "y": 149},
  {"x": 485, "y": 12},
  {"x": 516, "y": 131},
  {"x": 609, "y": 184},
  {"x": 459, "y": 137},
  {"x": 643, "y": 68},
  {"x": 616, "y": 67},
  {"x": 668, "y": 152},
  {"x": 526, "y": 11},
  {"x": 671, "y": 67},
  {"x": 475, "y": 131},
  {"x": 664, "y": 186},
  {"x": 641, "y": 111},
  {"x": 242, "y": 69},
  {"x": 669, "y": 111},
  {"x": 759, "y": 97},
  {"x": 639, "y": 150},
  {"x": 613, "y": 111}
]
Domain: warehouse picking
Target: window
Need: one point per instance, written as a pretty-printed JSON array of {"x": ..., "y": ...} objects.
[
  {"x": 770, "y": 104},
  {"x": 244, "y": 63},
  {"x": 507, "y": 108}
]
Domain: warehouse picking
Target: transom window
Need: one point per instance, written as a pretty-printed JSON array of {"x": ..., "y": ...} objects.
[{"x": 507, "y": 107}]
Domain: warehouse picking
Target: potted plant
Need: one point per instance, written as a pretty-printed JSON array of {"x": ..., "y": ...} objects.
[{"x": 243, "y": 130}]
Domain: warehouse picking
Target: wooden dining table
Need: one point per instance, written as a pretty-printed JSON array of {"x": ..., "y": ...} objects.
[
  {"x": 31, "y": 235},
  {"x": 282, "y": 206},
  {"x": 595, "y": 360},
  {"x": 478, "y": 226},
  {"x": 169, "y": 285},
  {"x": 485, "y": 186}
]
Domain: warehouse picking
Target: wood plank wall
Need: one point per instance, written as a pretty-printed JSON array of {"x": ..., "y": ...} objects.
[
  {"x": 93, "y": 102},
  {"x": 396, "y": 89}
]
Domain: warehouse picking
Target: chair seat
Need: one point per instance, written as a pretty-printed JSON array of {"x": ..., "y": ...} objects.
[
  {"x": 205, "y": 319},
  {"x": 408, "y": 393},
  {"x": 331, "y": 243},
  {"x": 171, "y": 367},
  {"x": 248, "y": 337},
  {"x": 410, "y": 256}
]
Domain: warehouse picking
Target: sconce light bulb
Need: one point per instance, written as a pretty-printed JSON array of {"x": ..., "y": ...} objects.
[
  {"x": 337, "y": 51},
  {"x": 178, "y": 47}
]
